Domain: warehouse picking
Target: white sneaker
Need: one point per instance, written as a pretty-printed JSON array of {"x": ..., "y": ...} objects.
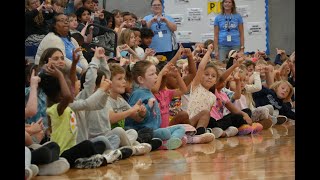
[
  {"x": 217, "y": 132},
  {"x": 28, "y": 173},
  {"x": 112, "y": 156},
  {"x": 231, "y": 131},
  {"x": 55, "y": 168},
  {"x": 142, "y": 148},
  {"x": 35, "y": 170}
]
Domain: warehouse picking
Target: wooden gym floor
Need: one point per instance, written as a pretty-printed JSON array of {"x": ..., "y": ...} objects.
[{"x": 267, "y": 155}]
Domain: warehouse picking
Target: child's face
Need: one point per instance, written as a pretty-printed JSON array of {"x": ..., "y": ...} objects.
[
  {"x": 118, "y": 83},
  {"x": 57, "y": 59},
  {"x": 147, "y": 41},
  {"x": 150, "y": 77},
  {"x": 261, "y": 68},
  {"x": 250, "y": 69},
  {"x": 132, "y": 40},
  {"x": 137, "y": 37},
  {"x": 34, "y": 4},
  {"x": 110, "y": 22},
  {"x": 73, "y": 23},
  {"x": 209, "y": 78},
  {"x": 129, "y": 20},
  {"x": 283, "y": 91},
  {"x": 118, "y": 19},
  {"x": 89, "y": 5},
  {"x": 85, "y": 17},
  {"x": 95, "y": 7}
]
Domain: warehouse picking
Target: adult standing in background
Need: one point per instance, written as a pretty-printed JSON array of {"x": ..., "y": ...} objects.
[
  {"x": 228, "y": 30},
  {"x": 163, "y": 26}
]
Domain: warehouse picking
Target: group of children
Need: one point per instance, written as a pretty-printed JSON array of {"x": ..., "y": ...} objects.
[{"x": 133, "y": 101}]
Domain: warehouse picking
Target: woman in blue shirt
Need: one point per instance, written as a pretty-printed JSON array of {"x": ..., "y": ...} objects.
[{"x": 228, "y": 30}]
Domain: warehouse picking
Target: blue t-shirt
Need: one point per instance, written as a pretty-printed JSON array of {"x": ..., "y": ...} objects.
[
  {"x": 153, "y": 116},
  {"x": 160, "y": 44},
  {"x": 42, "y": 107},
  {"x": 69, "y": 46},
  {"x": 231, "y": 22}
]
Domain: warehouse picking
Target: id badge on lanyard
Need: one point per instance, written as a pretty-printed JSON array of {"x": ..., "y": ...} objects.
[{"x": 228, "y": 27}]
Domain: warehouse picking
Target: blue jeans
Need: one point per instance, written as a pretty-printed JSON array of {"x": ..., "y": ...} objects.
[
  {"x": 175, "y": 131},
  {"x": 224, "y": 51}
]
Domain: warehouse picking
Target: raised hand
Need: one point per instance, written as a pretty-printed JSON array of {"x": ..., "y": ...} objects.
[
  {"x": 34, "y": 80},
  {"x": 105, "y": 84},
  {"x": 99, "y": 52}
]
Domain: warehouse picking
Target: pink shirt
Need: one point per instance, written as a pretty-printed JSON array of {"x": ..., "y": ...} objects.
[
  {"x": 164, "y": 97},
  {"x": 217, "y": 109}
]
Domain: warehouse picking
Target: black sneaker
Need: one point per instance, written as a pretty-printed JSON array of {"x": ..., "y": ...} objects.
[
  {"x": 91, "y": 162},
  {"x": 155, "y": 143},
  {"x": 125, "y": 153},
  {"x": 281, "y": 119}
]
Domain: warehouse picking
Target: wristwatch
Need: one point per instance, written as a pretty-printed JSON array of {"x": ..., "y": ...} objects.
[{"x": 242, "y": 47}]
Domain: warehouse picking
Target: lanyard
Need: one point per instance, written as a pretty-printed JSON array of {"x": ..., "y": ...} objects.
[{"x": 228, "y": 21}]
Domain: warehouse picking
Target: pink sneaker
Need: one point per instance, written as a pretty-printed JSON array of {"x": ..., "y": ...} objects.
[
  {"x": 244, "y": 129},
  {"x": 256, "y": 127}
]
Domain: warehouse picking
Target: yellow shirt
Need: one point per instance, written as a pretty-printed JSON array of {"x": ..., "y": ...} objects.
[{"x": 64, "y": 127}]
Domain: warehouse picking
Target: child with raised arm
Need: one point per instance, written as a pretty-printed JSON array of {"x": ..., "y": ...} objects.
[
  {"x": 164, "y": 96},
  {"x": 144, "y": 74},
  {"x": 236, "y": 122},
  {"x": 201, "y": 99}
]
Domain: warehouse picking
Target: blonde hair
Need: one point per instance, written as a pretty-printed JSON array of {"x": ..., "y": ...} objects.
[
  {"x": 39, "y": 19},
  {"x": 124, "y": 37},
  {"x": 276, "y": 84}
]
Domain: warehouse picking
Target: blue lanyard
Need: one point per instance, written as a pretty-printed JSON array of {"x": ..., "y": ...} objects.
[{"x": 228, "y": 21}]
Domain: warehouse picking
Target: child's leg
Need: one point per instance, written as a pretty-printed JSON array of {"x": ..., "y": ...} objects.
[
  {"x": 181, "y": 118},
  {"x": 105, "y": 140},
  {"x": 201, "y": 121},
  {"x": 124, "y": 140},
  {"x": 81, "y": 150},
  {"x": 114, "y": 141},
  {"x": 177, "y": 131},
  {"x": 162, "y": 133},
  {"x": 145, "y": 135},
  {"x": 132, "y": 135},
  {"x": 45, "y": 154}
]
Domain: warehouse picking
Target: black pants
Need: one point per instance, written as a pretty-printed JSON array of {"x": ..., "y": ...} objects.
[
  {"x": 229, "y": 120},
  {"x": 45, "y": 154},
  {"x": 83, "y": 149}
]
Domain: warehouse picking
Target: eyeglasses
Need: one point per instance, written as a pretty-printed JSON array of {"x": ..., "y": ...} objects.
[
  {"x": 156, "y": 5},
  {"x": 63, "y": 20}
]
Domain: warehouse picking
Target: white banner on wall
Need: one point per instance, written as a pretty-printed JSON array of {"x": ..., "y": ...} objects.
[{"x": 199, "y": 15}]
